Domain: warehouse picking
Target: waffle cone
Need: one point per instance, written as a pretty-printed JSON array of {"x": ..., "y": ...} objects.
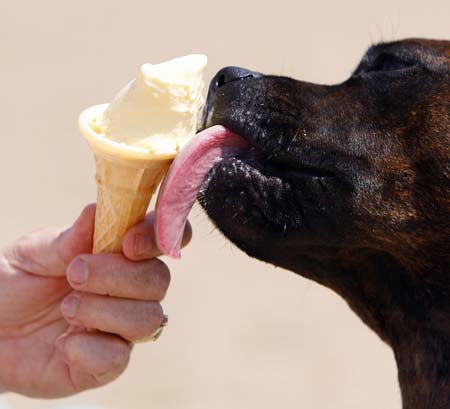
[
  {"x": 126, "y": 179},
  {"x": 124, "y": 190}
]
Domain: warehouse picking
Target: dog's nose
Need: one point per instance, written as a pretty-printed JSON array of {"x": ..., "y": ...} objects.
[
  {"x": 224, "y": 76},
  {"x": 230, "y": 74}
]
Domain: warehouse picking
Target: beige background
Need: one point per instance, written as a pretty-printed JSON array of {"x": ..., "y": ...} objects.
[{"x": 242, "y": 334}]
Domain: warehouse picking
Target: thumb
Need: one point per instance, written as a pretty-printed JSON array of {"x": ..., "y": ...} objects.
[{"x": 47, "y": 252}]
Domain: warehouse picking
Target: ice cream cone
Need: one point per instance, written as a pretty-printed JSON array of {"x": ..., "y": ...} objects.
[
  {"x": 126, "y": 180},
  {"x": 124, "y": 190}
]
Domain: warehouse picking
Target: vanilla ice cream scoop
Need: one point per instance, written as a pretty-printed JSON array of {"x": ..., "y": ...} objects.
[
  {"x": 135, "y": 138},
  {"x": 156, "y": 112}
]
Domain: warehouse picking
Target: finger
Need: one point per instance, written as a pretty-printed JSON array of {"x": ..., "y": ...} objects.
[
  {"x": 131, "y": 319},
  {"x": 114, "y": 275},
  {"x": 47, "y": 252},
  {"x": 139, "y": 242},
  {"x": 101, "y": 356}
]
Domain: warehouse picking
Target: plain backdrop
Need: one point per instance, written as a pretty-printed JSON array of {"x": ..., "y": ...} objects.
[{"x": 242, "y": 334}]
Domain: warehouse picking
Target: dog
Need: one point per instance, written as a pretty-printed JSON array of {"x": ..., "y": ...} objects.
[{"x": 349, "y": 185}]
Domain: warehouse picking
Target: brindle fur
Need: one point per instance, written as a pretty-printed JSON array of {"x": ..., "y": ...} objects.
[{"x": 351, "y": 188}]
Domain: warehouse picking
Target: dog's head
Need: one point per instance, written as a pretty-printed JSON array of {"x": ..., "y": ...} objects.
[{"x": 362, "y": 167}]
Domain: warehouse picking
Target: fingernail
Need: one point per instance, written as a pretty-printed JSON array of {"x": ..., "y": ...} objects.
[
  {"x": 69, "y": 306},
  {"x": 77, "y": 272},
  {"x": 142, "y": 245}
]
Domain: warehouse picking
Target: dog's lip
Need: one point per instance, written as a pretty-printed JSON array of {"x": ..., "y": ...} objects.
[
  {"x": 278, "y": 165},
  {"x": 184, "y": 179},
  {"x": 279, "y": 162}
]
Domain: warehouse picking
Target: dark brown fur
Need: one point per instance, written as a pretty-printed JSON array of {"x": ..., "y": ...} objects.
[{"x": 351, "y": 188}]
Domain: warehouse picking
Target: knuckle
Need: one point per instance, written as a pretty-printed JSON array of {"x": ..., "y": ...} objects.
[
  {"x": 156, "y": 279},
  {"x": 147, "y": 322},
  {"x": 120, "y": 355},
  {"x": 20, "y": 248},
  {"x": 162, "y": 276},
  {"x": 23, "y": 248},
  {"x": 71, "y": 350}
]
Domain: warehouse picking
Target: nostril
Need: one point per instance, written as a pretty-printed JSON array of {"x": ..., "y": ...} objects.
[{"x": 231, "y": 74}]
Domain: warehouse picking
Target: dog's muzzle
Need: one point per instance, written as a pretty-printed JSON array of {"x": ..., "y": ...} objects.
[{"x": 223, "y": 77}]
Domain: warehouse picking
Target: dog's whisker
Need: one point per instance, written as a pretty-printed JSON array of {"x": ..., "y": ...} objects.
[{"x": 294, "y": 138}]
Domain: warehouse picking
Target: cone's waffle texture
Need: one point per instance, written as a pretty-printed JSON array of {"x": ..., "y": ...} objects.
[{"x": 124, "y": 190}]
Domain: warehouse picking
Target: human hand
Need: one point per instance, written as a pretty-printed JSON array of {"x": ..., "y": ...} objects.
[{"x": 52, "y": 290}]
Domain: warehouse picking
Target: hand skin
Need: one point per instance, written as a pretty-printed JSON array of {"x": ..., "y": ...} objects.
[{"x": 42, "y": 294}]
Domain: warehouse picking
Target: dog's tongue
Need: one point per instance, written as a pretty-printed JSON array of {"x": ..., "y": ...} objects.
[{"x": 182, "y": 183}]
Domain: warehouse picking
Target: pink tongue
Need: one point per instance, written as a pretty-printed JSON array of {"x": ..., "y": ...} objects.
[{"x": 182, "y": 183}]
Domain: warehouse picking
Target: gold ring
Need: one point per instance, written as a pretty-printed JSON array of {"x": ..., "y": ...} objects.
[{"x": 154, "y": 337}]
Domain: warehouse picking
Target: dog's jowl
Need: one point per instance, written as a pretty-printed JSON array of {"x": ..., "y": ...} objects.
[{"x": 349, "y": 185}]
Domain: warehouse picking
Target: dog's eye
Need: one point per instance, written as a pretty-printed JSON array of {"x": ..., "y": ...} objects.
[{"x": 388, "y": 63}]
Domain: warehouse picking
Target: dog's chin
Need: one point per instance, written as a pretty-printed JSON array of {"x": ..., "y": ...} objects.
[
  {"x": 234, "y": 196},
  {"x": 258, "y": 206},
  {"x": 245, "y": 199}
]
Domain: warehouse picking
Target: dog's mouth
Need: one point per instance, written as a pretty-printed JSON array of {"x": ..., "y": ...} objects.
[
  {"x": 218, "y": 155},
  {"x": 184, "y": 179}
]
